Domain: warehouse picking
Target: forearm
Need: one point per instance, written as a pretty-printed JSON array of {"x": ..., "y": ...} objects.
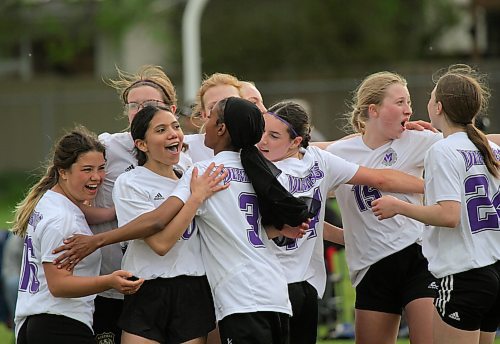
[
  {"x": 95, "y": 215},
  {"x": 142, "y": 226},
  {"x": 400, "y": 182},
  {"x": 333, "y": 234},
  {"x": 164, "y": 240},
  {"x": 434, "y": 215},
  {"x": 79, "y": 286}
]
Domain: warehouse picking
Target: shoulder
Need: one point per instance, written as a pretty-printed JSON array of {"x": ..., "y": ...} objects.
[
  {"x": 123, "y": 139},
  {"x": 338, "y": 145},
  {"x": 424, "y": 135}
]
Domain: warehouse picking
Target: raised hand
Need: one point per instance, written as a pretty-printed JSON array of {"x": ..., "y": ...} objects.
[
  {"x": 209, "y": 182},
  {"x": 75, "y": 248}
]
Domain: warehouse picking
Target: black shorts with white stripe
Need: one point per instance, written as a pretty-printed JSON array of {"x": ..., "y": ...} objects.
[{"x": 470, "y": 300}]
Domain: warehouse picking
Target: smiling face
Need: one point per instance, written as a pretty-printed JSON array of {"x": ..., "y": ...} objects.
[
  {"x": 163, "y": 140},
  {"x": 81, "y": 181},
  {"x": 389, "y": 117},
  {"x": 276, "y": 143}
]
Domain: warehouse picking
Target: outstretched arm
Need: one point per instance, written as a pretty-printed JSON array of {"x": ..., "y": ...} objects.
[
  {"x": 494, "y": 137},
  {"x": 388, "y": 180},
  {"x": 441, "y": 214},
  {"x": 62, "y": 283},
  {"x": 95, "y": 215},
  {"x": 333, "y": 233},
  {"x": 201, "y": 189},
  {"x": 79, "y": 246}
]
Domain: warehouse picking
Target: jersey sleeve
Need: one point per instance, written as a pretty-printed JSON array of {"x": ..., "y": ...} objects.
[
  {"x": 183, "y": 189},
  {"x": 442, "y": 177},
  {"x": 340, "y": 171},
  {"x": 130, "y": 201},
  {"x": 52, "y": 234},
  {"x": 421, "y": 142}
]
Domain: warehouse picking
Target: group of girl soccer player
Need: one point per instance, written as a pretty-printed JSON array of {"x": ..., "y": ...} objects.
[{"x": 218, "y": 237}]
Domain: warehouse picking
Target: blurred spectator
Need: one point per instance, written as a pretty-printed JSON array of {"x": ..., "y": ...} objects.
[{"x": 11, "y": 266}]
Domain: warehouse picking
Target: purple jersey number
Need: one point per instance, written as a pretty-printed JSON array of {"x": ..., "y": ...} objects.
[
  {"x": 311, "y": 232},
  {"x": 189, "y": 231},
  {"x": 482, "y": 210},
  {"x": 248, "y": 204},
  {"x": 29, "y": 281},
  {"x": 364, "y": 196}
]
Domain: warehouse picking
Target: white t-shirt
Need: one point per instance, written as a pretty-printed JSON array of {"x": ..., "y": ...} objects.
[
  {"x": 244, "y": 274},
  {"x": 120, "y": 158},
  {"x": 368, "y": 240},
  {"x": 455, "y": 171},
  {"x": 313, "y": 176},
  {"x": 197, "y": 150},
  {"x": 55, "y": 218},
  {"x": 140, "y": 191}
]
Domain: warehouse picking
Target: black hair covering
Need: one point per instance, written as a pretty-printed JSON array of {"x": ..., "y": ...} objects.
[{"x": 277, "y": 206}]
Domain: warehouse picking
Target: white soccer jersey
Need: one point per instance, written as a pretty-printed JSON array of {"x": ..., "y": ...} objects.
[
  {"x": 197, "y": 150},
  {"x": 55, "y": 218},
  {"x": 455, "y": 171},
  {"x": 367, "y": 240},
  {"x": 313, "y": 176},
  {"x": 120, "y": 158},
  {"x": 244, "y": 274},
  {"x": 140, "y": 191}
]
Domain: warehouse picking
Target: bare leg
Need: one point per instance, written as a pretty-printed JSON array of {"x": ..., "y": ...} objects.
[
  {"x": 376, "y": 327},
  {"x": 129, "y": 338},
  {"x": 487, "y": 337},
  {"x": 446, "y": 334},
  {"x": 214, "y": 337},
  {"x": 419, "y": 314}
]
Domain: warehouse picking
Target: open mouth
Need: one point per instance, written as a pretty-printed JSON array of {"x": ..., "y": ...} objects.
[
  {"x": 174, "y": 148},
  {"x": 91, "y": 187},
  {"x": 403, "y": 123}
]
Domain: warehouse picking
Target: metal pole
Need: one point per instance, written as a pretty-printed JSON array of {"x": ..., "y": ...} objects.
[{"x": 191, "y": 55}]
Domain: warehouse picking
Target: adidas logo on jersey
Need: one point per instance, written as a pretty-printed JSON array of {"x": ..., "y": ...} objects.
[
  {"x": 454, "y": 316},
  {"x": 433, "y": 285},
  {"x": 131, "y": 167},
  {"x": 158, "y": 197}
]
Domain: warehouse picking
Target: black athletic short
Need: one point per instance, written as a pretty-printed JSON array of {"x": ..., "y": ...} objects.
[
  {"x": 171, "y": 310},
  {"x": 396, "y": 280},
  {"x": 54, "y": 329},
  {"x": 255, "y": 327},
  {"x": 106, "y": 315},
  {"x": 304, "y": 322},
  {"x": 470, "y": 300}
]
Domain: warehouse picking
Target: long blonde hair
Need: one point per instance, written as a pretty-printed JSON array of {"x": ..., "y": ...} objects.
[
  {"x": 463, "y": 94},
  {"x": 66, "y": 153},
  {"x": 372, "y": 90}
]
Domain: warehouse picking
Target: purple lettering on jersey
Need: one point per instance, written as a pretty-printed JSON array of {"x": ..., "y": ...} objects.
[
  {"x": 483, "y": 212},
  {"x": 297, "y": 185},
  {"x": 364, "y": 195},
  {"x": 29, "y": 280},
  {"x": 236, "y": 174},
  {"x": 34, "y": 219},
  {"x": 472, "y": 158},
  {"x": 249, "y": 205}
]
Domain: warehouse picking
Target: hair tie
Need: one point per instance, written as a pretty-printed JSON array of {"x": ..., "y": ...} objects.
[{"x": 284, "y": 122}]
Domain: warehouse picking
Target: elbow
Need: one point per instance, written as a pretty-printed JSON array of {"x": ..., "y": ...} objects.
[
  {"x": 56, "y": 291},
  {"x": 450, "y": 222}
]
